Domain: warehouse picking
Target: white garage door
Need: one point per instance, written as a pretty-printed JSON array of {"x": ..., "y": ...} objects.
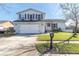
[{"x": 29, "y": 29}]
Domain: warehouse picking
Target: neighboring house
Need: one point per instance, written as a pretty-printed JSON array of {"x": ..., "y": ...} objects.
[
  {"x": 5, "y": 25},
  {"x": 70, "y": 24},
  {"x": 33, "y": 21}
]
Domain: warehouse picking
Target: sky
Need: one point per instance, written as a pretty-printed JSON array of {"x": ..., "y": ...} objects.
[{"x": 8, "y": 11}]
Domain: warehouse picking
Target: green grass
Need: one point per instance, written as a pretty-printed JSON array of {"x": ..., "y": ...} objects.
[
  {"x": 68, "y": 48},
  {"x": 57, "y": 36}
]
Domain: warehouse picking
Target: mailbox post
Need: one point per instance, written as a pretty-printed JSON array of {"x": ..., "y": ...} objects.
[{"x": 51, "y": 40}]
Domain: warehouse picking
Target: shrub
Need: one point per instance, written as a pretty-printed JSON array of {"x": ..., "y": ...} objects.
[
  {"x": 57, "y": 30},
  {"x": 60, "y": 30},
  {"x": 41, "y": 48},
  {"x": 77, "y": 30},
  {"x": 9, "y": 31}
]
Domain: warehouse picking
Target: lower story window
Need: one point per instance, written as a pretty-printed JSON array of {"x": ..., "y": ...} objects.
[
  {"x": 48, "y": 24},
  {"x": 55, "y": 26}
]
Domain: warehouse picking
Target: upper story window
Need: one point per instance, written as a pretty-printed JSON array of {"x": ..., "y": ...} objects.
[
  {"x": 31, "y": 18},
  {"x": 35, "y": 14},
  {"x": 38, "y": 16}
]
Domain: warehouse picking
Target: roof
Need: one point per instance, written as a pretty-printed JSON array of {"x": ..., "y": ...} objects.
[
  {"x": 46, "y": 20},
  {"x": 7, "y": 24},
  {"x": 30, "y": 9}
]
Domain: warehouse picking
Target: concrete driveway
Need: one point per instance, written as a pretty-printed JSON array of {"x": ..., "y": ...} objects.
[{"x": 17, "y": 44}]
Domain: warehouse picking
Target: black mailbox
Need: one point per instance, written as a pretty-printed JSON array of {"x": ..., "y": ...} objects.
[
  {"x": 51, "y": 34},
  {"x": 51, "y": 39}
]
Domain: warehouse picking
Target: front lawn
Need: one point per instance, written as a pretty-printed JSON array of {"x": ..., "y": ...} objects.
[
  {"x": 57, "y": 36},
  {"x": 68, "y": 48}
]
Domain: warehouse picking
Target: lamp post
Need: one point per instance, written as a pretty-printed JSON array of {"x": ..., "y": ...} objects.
[{"x": 51, "y": 40}]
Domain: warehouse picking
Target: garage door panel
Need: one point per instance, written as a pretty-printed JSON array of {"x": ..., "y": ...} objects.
[{"x": 29, "y": 29}]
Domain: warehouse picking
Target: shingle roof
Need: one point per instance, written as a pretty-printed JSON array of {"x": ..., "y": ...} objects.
[{"x": 7, "y": 24}]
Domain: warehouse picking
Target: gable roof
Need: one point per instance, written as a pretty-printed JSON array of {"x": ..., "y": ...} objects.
[{"x": 31, "y": 9}]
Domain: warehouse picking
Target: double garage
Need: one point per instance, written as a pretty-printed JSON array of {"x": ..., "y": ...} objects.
[{"x": 29, "y": 28}]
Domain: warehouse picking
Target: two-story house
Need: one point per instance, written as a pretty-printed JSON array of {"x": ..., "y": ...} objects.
[{"x": 33, "y": 21}]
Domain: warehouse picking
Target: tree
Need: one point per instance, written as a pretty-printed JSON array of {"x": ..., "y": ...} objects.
[{"x": 71, "y": 11}]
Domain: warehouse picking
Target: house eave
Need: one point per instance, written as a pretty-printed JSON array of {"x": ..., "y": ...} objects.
[{"x": 49, "y": 20}]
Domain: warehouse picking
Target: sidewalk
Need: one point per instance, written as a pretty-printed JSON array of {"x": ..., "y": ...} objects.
[{"x": 57, "y": 41}]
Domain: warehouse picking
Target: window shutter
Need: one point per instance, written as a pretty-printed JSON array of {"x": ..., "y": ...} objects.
[
  {"x": 25, "y": 16},
  {"x": 41, "y": 16},
  {"x": 28, "y": 16}
]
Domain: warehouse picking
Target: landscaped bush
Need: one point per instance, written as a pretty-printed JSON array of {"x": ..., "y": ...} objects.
[
  {"x": 9, "y": 31},
  {"x": 41, "y": 48},
  {"x": 57, "y": 30},
  {"x": 60, "y": 30},
  {"x": 77, "y": 31}
]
